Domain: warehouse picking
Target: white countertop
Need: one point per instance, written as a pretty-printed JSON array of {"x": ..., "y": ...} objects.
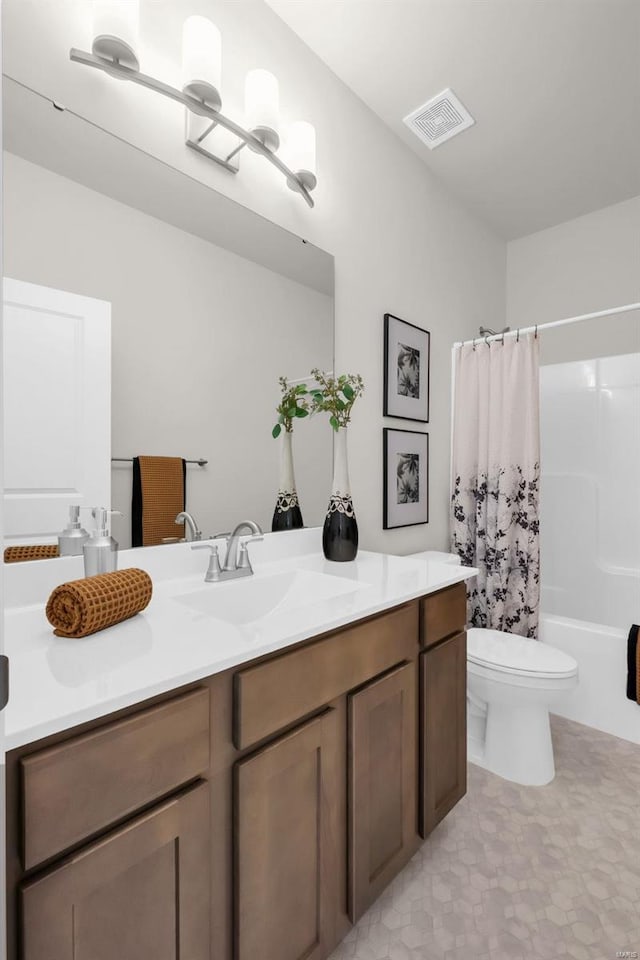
[{"x": 57, "y": 683}]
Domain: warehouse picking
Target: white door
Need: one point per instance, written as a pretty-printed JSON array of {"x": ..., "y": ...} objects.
[{"x": 57, "y": 408}]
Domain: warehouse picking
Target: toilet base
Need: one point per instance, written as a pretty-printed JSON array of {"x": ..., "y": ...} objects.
[
  {"x": 512, "y": 683},
  {"x": 518, "y": 743}
]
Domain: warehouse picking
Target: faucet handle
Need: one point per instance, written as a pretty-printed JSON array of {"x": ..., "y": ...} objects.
[
  {"x": 213, "y": 570},
  {"x": 243, "y": 557}
]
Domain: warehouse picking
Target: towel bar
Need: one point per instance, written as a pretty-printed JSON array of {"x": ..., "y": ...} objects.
[{"x": 200, "y": 462}]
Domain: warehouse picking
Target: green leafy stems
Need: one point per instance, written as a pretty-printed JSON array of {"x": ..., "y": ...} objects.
[
  {"x": 333, "y": 395},
  {"x": 336, "y": 396},
  {"x": 292, "y": 405}
]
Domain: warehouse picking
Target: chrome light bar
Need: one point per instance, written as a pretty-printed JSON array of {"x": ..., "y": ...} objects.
[{"x": 299, "y": 182}]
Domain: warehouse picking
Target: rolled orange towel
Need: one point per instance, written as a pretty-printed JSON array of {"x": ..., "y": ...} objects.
[
  {"x": 35, "y": 551},
  {"x": 82, "y": 607}
]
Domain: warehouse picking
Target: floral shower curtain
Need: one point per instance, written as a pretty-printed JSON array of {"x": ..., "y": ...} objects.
[{"x": 496, "y": 480}]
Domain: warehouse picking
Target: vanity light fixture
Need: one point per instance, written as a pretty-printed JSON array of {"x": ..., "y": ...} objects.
[
  {"x": 202, "y": 61},
  {"x": 115, "y": 26},
  {"x": 261, "y": 98},
  {"x": 300, "y": 152},
  {"x": 114, "y": 51}
]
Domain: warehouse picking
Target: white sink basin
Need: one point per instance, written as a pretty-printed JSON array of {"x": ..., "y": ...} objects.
[{"x": 258, "y": 597}]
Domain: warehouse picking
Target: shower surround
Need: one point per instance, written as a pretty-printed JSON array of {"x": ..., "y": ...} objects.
[{"x": 590, "y": 530}]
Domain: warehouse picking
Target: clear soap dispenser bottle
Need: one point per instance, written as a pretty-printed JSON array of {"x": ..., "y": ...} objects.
[
  {"x": 74, "y": 536},
  {"x": 100, "y": 550}
]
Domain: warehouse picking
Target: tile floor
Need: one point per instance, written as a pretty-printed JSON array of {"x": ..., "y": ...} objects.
[{"x": 523, "y": 872}]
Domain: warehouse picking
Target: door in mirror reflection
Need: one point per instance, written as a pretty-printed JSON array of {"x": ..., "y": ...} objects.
[{"x": 57, "y": 409}]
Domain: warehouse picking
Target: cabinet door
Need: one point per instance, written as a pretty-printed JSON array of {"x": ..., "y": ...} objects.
[
  {"x": 383, "y": 787},
  {"x": 443, "y": 717},
  {"x": 141, "y": 893},
  {"x": 285, "y": 846}
]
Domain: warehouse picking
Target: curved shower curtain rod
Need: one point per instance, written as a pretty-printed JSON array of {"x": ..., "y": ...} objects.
[{"x": 538, "y": 328}]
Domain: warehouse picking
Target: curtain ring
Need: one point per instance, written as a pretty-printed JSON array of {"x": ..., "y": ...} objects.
[
  {"x": 502, "y": 340},
  {"x": 486, "y": 340},
  {"x": 474, "y": 344},
  {"x": 518, "y": 335},
  {"x": 536, "y": 332}
]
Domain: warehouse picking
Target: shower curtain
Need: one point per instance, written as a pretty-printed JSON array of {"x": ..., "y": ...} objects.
[{"x": 496, "y": 480}]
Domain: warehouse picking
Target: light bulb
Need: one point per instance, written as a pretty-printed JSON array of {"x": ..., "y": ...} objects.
[
  {"x": 202, "y": 61},
  {"x": 301, "y": 153},
  {"x": 261, "y": 106},
  {"x": 115, "y": 31}
]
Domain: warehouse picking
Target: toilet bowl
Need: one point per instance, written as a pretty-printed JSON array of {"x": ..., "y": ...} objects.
[{"x": 512, "y": 683}]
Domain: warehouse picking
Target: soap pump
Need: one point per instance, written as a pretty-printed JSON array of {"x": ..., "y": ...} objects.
[
  {"x": 100, "y": 550},
  {"x": 74, "y": 536}
]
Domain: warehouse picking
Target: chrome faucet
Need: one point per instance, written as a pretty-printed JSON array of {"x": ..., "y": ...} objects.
[
  {"x": 238, "y": 559},
  {"x": 236, "y": 562},
  {"x": 192, "y": 526}
]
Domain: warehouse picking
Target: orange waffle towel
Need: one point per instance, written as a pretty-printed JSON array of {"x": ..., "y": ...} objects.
[
  {"x": 82, "y": 607},
  {"x": 36, "y": 551},
  {"x": 158, "y": 498}
]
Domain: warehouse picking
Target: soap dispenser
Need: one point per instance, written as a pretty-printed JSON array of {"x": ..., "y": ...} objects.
[
  {"x": 100, "y": 550},
  {"x": 73, "y": 538}
]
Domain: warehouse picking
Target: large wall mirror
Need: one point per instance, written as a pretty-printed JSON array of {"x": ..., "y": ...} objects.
[{"x": 147, "y": 315}]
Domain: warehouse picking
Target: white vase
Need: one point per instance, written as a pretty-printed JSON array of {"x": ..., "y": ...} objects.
[
  {"x": 287, "y": 514},
  {"x": 340, "y": 531}
]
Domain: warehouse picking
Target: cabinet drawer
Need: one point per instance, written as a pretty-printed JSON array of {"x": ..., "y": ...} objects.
[
  {"x": 78, "y": 788},
  {"x": 443, "y": 614},
  {"x": 274, "y": 694}
]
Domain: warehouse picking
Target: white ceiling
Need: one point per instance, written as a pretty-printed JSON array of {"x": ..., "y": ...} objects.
[{"x": 554, "y": 86}]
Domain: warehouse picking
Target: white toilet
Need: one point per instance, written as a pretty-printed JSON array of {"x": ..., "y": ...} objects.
[{"x": 511, "y": 684}]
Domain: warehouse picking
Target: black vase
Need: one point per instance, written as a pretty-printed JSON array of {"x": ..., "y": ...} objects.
[
  {"x": 340, "y": 531},
  {"x": 287, "y": 514}
]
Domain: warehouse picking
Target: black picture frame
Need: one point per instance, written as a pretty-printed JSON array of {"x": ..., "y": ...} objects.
[
  {"x": 409, "y": 513},
  {"x": 406, "y": 407}
]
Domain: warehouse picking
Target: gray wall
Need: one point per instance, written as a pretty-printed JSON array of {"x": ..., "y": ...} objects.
[{"x": 581, "y": 266}]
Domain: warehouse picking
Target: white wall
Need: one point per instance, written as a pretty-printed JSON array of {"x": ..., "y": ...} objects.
[
  {"x": 199, "y": 338},
  {"x": 581, "y": 266},
  {"x": 401, "y": 243}
]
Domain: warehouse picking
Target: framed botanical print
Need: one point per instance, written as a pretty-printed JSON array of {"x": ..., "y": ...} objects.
[
  {"x": 405, "y": 457},
  {"x": 406, "y": 370}
]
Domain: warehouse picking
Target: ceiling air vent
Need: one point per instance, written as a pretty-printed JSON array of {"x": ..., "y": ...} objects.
[{"x": 439, "y": 119}]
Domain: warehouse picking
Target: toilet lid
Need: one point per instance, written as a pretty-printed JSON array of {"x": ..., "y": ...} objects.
[{"x": 511, "y": 654}]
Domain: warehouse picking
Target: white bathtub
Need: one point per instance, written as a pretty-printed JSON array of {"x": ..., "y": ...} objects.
[{"x": 600, "y": 698}]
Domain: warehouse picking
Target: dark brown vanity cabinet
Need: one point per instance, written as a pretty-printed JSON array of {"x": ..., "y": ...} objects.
[
  {"x": 141, "y": 893},
  {"x": 256, "y": 813},
  {"x": 285, "y": 845},
  {"x": 443, "y": 706},
  {"x": 383, "y": 783}
]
